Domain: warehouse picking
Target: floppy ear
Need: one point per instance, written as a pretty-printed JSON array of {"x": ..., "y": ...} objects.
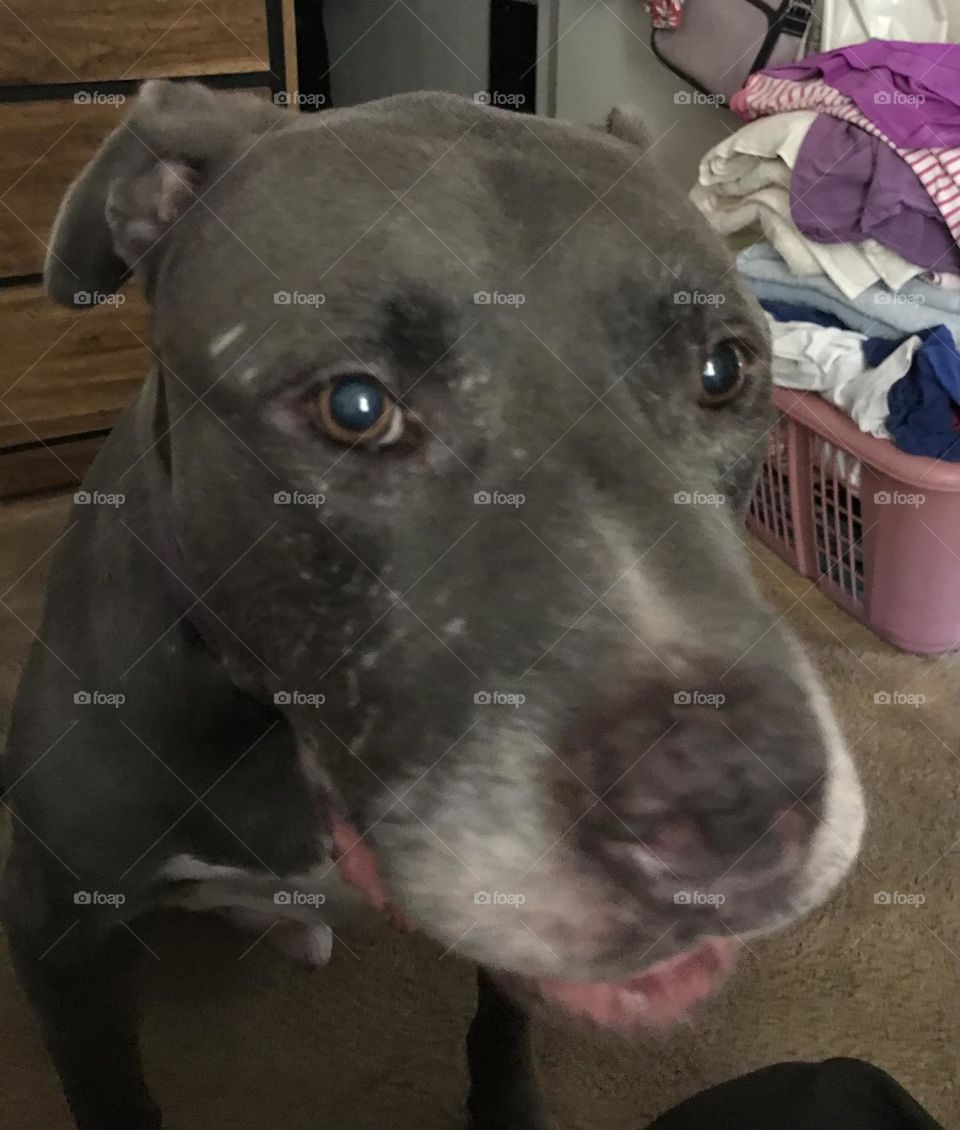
[
  {"x": 625, "y": 123},
  {"x": 177, "y": 139}
]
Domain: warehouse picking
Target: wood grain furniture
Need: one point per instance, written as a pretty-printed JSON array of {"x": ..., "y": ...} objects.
[{"x": 66, "y": 68}]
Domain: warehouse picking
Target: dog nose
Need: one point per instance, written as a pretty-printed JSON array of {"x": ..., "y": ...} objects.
[
  {"x": 701, "y": 793},
  {"x": 714, "y": 844}
]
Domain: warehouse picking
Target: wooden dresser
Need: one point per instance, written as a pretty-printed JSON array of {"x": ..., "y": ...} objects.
[{"x": 66, "y": 69}]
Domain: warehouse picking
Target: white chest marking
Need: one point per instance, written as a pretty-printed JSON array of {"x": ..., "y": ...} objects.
[{"x": 293, "y": 911}]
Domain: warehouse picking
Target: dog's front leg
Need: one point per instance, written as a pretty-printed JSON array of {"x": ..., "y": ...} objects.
[
  {"x": 503, "y": 1088},
  {"x": 79, "y": 987}
]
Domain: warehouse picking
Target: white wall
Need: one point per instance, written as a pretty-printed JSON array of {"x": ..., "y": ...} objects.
[{"x": 603, "y": 58}]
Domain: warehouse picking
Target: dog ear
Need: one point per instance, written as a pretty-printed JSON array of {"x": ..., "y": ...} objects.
[
  {"x": 177, "y": 139},
  {"x": 625, "y": 123}
]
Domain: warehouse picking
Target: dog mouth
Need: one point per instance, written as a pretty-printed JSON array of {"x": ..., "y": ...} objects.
[
  {"x": 358, "y": 867},
  {"x": 661, "y": 995}
]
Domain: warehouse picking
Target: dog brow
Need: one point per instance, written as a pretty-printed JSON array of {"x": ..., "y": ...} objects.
[{"x": 421, "y": 327}]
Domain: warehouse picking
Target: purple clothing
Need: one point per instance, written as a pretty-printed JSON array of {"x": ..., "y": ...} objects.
[
  {"x": 911, "y": 91},
  {"x": 848, "y": 186}
]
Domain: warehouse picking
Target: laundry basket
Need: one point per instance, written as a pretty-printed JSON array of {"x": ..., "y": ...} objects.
[{"x": 877, "y": 530}]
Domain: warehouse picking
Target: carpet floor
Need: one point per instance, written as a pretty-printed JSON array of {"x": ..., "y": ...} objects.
[{"x": 242, "y": 1038}]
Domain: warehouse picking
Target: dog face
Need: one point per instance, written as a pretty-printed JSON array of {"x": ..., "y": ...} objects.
[{"x": 477, "y": 405}]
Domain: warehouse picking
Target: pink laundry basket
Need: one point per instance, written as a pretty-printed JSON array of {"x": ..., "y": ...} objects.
[{"x": 877, "y": 530}]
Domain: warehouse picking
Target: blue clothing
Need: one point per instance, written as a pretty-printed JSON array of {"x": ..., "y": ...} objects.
[
  {"x": 878, "y": 312},
  {"x": 789, "y": 312},
  {"x": 924, "y": 405}
]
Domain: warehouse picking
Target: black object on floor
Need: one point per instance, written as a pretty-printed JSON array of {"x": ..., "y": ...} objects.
[{"x": 837, "y": 1094}]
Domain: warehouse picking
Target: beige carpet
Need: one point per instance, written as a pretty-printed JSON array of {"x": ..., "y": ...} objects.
[{"x": 249, "y": 1041}]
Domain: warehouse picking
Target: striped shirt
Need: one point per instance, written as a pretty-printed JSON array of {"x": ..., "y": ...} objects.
[{"x": 938, "y": 169}]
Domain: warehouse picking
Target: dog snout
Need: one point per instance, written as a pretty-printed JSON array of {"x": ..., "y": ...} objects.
[
  {"x": 681, "y": 791},
  {"x": 720, "y": 845}
]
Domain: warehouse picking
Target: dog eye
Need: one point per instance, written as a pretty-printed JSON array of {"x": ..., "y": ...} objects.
[
  {"x": 723, "y": 376},
  {"x": 357, "y": 409}
]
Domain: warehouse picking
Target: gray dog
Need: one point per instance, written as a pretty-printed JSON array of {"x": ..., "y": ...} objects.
[{"x": 400, "y": 585}]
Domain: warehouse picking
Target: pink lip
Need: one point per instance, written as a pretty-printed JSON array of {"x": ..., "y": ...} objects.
[
  {"x": 661, "y": 995},
  {"x": 358, "y": 867}
]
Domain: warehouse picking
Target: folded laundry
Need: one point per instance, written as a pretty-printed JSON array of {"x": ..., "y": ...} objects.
[
  {"x": 831, "y": 361},
  {"x": 744, "y": 181},
  {"x": 878, "y": 312},
  {"x": 910, "y": 91},
  {"x": 759, "y": 154},
  {"x": 938, "y": 168},
  {"x": 848, "y": 186}
]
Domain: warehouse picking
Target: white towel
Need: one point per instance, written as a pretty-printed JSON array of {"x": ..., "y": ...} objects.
[{"x": 745, "y": 180}]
